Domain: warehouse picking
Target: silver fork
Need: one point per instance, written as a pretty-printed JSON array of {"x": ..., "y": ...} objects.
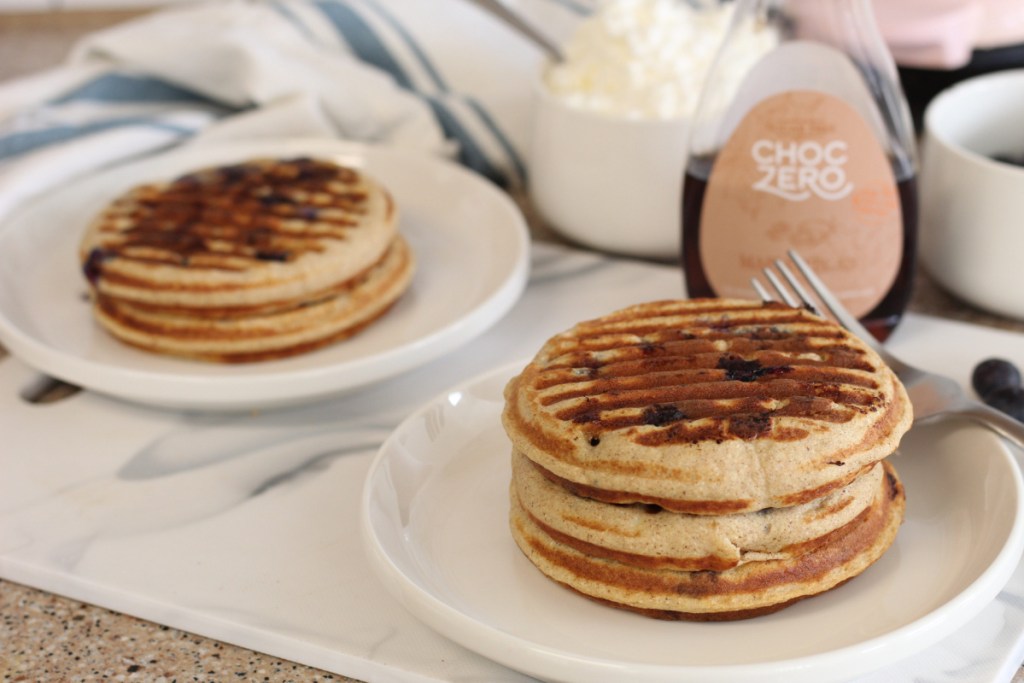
[{"x": 932, "y": 395}]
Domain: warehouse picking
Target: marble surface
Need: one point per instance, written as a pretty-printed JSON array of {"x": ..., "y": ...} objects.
[
  {"x": 47, "y": 636},
  {"x": 242, "y": 528}
]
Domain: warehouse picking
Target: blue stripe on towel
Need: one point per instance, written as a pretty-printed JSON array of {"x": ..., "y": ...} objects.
[
  {"x": 469, "y": 152},
  {"x": 281, "y": 7},
  {"x": 421, "y": 56},
  {"x": 440, "y": 83},
  {"x": 19, "y": 143},
  {"x": 119, "y": 87},
  {"x": 506, "y": 145},
  {"x": 367, "y": 46},
  {"x": 576, "y": 7}
]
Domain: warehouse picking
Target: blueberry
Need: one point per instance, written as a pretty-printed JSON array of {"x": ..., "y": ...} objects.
[
  {"x": 994, "y": 374},
  {"x": 272, "y": 255},
  {"x": 93, "y": 266},
  {"x": 1009, "y": 400}
]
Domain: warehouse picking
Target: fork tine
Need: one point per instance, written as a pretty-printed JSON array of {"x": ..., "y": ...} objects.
[
  {"x": 845, "y": 318},
  {"x": 932, "y": 395},
  {"x": 794, "y": 284},
  {"x": 792, "y": 292},
  {"x": 783, "y": 291},
  {"x": 763, "y": 293}
]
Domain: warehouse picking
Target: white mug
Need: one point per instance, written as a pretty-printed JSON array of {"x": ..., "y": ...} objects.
[
  {"x": 972, "y": 206},
  {"x": 611, "y": 183}
]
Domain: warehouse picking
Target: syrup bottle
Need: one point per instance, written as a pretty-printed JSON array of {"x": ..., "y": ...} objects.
[{"x": 810, "y": 148}]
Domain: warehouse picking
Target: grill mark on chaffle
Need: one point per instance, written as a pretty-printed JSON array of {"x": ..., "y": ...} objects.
[
  {"x": 231, "y": 217},
  {"x": 722, "y": 319},
  {"x": 714, "y": 380},
  {"x": 605, "y": 348},
  {"x": 187, "y": 328},
  {"x": 567, "y": 386},
  {"x": 781, "y": 332},
  {"x": 235, "y": 311},
  {"x": 710, "y": 394}
]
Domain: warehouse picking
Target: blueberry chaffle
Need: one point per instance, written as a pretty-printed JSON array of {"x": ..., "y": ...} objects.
[
  {"x": 250, "y": 261},
  {"x": 705, "y": 459}
]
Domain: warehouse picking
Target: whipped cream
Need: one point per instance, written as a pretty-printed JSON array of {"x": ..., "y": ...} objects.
[{"x": 648, "y": 59}]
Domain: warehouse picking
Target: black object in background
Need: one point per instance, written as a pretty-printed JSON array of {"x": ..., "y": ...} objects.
[{"x": 921, "y": 85}]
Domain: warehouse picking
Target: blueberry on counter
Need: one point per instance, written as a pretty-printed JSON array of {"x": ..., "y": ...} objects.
[
  {"x": 993, "y": 374},
  {"x": 998, "y": 383}
]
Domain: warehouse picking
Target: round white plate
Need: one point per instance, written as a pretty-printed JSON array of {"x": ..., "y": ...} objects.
[
  {"x": 435, "y": 523},
  {"x": 472, "y": 249}
]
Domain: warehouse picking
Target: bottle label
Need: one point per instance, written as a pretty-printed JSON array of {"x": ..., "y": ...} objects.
[{"x": 803, "y": 171}]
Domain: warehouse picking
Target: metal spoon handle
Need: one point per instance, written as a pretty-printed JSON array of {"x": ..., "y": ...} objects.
[{"x": 513, "y": 19}]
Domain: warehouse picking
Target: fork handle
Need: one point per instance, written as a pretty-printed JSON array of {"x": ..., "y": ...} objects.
[{"x": 1001, "y": 423}]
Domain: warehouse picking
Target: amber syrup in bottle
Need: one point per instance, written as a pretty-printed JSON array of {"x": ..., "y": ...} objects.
[
  {"x": 811, "y": 148},
  {"x": 880, "y": 321}
]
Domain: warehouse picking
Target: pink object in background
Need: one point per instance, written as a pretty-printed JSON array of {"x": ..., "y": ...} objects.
[{"x": 941, "y": 34}]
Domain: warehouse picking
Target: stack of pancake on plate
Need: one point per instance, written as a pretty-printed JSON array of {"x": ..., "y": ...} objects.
[
  {"x": 251, "y": 261},
  {"x": 705, "y": 459}
]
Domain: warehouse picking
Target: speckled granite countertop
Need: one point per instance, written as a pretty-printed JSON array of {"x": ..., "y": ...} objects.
[{"x": 44, "y": 637}]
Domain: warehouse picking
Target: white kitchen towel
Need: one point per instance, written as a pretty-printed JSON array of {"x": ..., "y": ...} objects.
[{"x": 441, "y": 76}]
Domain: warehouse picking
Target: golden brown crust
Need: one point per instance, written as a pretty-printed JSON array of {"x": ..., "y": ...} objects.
[
  {"x": 652, "y": 537},
  {"x": 693, "y": 507},
  {"x": 255, "y": 261},
  {"x": 264, "y": 234},
  {"x": 747, "y": 590},
  {"x": 266, "y": 336},
  {"x": 706, "y": 406}
]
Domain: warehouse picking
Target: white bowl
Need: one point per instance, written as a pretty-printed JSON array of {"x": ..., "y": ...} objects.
[
  {"x": 972, "y": 207},
  {"x": 614, "y": 184}
]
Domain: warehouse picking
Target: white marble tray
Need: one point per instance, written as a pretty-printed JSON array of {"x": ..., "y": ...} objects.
[{"x": 243, "y": 527}]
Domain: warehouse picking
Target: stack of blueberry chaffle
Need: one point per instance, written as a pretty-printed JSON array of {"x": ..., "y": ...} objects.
[
  {"x": 251, "y": 261},
  {"x": 705, "y": 459}
]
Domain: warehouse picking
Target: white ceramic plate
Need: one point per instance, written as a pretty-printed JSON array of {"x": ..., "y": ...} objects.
[
  {"x": 472, "y": 250},
  {"x": 435, "y": 524}
]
